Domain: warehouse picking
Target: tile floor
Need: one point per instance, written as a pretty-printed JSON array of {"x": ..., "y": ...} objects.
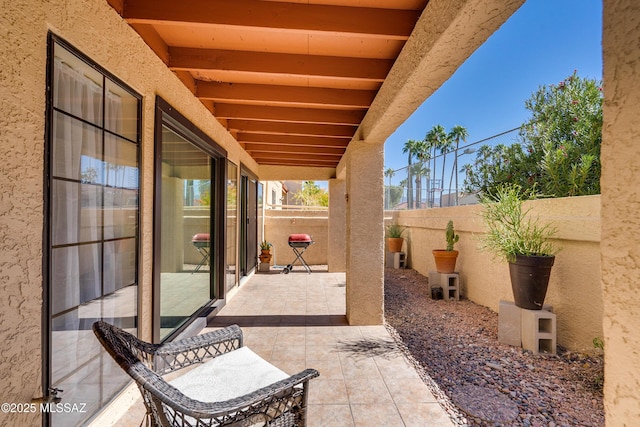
[{"x": 297, "y": 321}]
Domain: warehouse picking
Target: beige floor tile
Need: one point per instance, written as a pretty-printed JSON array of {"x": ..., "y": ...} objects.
[
  {"x": 394, "y": 366},
  {"x": 329, "y": 367},
  {"x": 329, "y": 416},
  {"x": 358, "y": 368},
  {"x": 368, "y": 391},
  {"x": 298, "y": 321},
  {"x": 377, "y": 415},
  {"x": 328, "y": 392},
  {"x": 407, "y": 390},
  {"x": 424, "y": 414},
  {"x": 293, "y": 352}
]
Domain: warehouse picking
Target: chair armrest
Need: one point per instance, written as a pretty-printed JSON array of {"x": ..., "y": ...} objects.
[
  {"x": 179, "y": 354},
  {"x": 268, "y": 399}
]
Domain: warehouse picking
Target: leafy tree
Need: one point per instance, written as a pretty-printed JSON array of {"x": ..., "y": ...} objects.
[
  {"x": 395, "y": 195},
  {"x": 312, "y": 195},
  {"x": 559, "y": 149},
  {"x": 389, "y": 173}
]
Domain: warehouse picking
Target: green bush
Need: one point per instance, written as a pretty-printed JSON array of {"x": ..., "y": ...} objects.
[{"x": 559, "y": 149}]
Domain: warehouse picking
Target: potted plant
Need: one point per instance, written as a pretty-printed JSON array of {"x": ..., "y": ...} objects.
[
  {"x": 265, "y": 251},
  {"x": 517, "y": 237},
  {"x": 394, "y": 237},
  {"x": 446, "y": 258}
]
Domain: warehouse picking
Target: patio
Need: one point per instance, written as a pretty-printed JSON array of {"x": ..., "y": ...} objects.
[{"x": 297, "y": 321}]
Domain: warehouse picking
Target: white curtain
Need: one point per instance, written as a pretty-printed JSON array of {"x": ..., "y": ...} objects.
[{"x": 76, "y": 208}]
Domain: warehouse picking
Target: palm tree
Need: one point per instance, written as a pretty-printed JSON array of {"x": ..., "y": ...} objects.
[
  {"x": 445, "y": 147},
  {"x": 434, "y": 139},
  {"x": 419, "y": 170},
  {"x": 457, "y": 134},
  {"x": 389, "y": 173},
  {"x": 410, "y": 147}
]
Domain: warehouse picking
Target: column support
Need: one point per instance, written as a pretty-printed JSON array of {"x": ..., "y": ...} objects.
[
  {"x": 365, "y": 233},
  {"x": 337, "y": 254}
]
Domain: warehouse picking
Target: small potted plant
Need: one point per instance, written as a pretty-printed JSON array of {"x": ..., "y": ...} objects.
[
  {"x": 517, "y": 237},
  {"x": 265, "y": 251},
  {"x": 394, "y": 237},
  {"x": 446, "y": 258}
]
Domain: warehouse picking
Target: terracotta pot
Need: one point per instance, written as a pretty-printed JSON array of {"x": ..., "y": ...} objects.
[
  {"x": 445, "y": 260},
  {"x": 265, "y": 255},
  {"x": 395, "y": 244}
]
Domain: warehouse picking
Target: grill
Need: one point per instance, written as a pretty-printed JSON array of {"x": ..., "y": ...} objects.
[
  {"x": 299, "y": 243},
  {"x": 201, "y": 242}
]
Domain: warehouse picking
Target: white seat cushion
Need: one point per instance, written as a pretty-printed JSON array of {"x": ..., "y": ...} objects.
[{"x": 228, "y": 376}]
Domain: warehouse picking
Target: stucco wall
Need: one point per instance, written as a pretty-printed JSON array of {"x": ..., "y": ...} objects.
[
  {"x": 620, "y": 211},
  {"x": 94, "y": 28},
  {"x": 279, "y": 224},
  {"x": 574, "y": 290}
]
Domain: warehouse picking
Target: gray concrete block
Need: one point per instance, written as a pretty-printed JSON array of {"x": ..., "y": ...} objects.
[
  {"x": 538, "y": 331},
  {"x": 449, "y": 282},
  {"x": 509, "y": 324}
]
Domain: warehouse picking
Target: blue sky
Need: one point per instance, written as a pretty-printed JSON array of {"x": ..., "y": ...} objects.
[{"x": 542, "y": 43}]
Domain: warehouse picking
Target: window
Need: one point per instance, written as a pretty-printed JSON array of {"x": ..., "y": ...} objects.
[
  {"x": 232, "y": 223},
  {"x": 92, "y": 225}
]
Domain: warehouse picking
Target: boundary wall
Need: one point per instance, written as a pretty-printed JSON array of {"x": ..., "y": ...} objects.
[{"x": 575, "y": 289}]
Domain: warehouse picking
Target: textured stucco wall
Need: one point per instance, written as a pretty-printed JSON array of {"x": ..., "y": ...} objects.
[
  {"x": 575, "y": 288},
  {"x": 365, "y": 233},
  {"x": 279, "y": 224},
  {"x": 620, "y": 211},
  {"x": 94, "y": 28},
  {"x": 337, "y": 250}
]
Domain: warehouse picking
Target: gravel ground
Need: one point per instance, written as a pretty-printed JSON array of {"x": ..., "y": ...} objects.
[{"x": 488, "y": 383}]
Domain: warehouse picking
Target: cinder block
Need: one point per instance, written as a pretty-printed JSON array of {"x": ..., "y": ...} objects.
[
  {"x": 509, "y": 324},
  {"x": 395, "y": 260},
  {"x": 449, "y": 282},
  {"x": 399, "y": 260},
  {"x": 264, "y": 267},
  {"x": 538, "y": 331}
]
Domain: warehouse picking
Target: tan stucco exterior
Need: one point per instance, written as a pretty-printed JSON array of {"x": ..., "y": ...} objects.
[
  {"x": 445, "y": 36},
  {"x": 620, "y": 207},
  {"x": 574, "y": 290},
  {"x": 98, "y": 31}
]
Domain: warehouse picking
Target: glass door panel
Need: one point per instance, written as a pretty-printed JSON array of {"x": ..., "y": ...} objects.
[{"x": 186, "y": 275}]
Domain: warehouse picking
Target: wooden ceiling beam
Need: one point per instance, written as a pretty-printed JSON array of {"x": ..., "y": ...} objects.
[
  {"x": 307, "y": 163},
  {"x": 284, "y": 95},
  {"x": 387, "y": 23},
  {"x": 252, "y": 147},
  {"x": 292, "y": 140},
  {"x": 279, "y": 63},
  {"x": 153, "y": 39},
  {"x": 292, "y": 115},
  {"x": 298, "y": 129},
  {"x": 301, "y": 157}
]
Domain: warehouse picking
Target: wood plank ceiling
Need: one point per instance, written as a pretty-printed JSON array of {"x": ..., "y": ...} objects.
[{"x": 292, "y": 79}]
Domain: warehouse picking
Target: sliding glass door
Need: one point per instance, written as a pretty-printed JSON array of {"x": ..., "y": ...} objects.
[{"x": 190, "y": 213}]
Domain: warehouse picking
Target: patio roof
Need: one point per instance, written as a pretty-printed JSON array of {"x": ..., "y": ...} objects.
[{"x": 291, "y": 80}]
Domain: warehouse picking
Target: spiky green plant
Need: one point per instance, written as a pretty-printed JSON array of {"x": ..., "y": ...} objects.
[
  {"x": 394, "y": 231},
  {"x": 452, "y": 237}
]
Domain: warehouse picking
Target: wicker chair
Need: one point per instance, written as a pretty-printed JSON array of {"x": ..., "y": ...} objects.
[{"x": 277, "y": 400}]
